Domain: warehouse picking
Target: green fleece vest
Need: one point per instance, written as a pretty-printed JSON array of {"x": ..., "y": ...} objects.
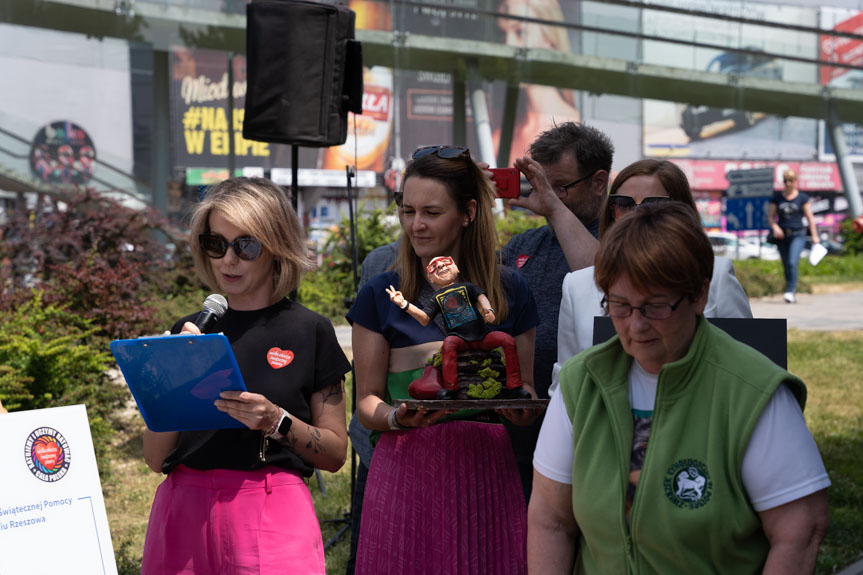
[{"x": 690, "y": 512}]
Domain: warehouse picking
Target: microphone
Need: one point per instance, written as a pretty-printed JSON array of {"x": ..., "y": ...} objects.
[{"x": 215, "y": 307}]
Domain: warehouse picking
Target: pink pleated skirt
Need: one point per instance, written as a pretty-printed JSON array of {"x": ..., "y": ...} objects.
[
  {"x": 223, "y": 522},
  {"x": 445, "y": 500}
]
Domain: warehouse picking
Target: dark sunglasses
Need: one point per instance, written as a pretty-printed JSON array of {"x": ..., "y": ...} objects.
[
  {"x": 445, "y": 152},
  {"x": 624, "y": 203},
  {"x": 216, "y": 247}
]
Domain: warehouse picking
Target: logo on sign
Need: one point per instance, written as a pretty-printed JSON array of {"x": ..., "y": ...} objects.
[
  {"x": 62, "y": 153},
  {"x": 47, "y": 453},
  {"x": 376, "y": 103}
]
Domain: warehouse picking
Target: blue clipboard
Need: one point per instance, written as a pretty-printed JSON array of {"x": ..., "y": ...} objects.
[{"x": 176, "y": 378}]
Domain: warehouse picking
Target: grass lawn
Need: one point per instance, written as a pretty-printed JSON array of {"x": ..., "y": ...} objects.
[{"x": 831, "y": 364}]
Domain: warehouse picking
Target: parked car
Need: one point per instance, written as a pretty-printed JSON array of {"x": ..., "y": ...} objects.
[
  {"x": 730, "y": 246},
  {"x": 704, "y": 121}
]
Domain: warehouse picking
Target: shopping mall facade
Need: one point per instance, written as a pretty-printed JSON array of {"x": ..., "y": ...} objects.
[{"x": 132, "y": 96}]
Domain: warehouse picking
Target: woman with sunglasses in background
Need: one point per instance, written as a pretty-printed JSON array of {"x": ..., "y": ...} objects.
[
  {"x": 443, "y": 493},
  {"x": 235, "y": 500},
  {"x": 673, "y": 448},
  {"x": 641, "y": 183},
  {"x": 794, "y": 211}
]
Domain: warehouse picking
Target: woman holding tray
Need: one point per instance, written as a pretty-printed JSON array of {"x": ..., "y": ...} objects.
[
  {"x": 234, "y": 500},
  {"x": 443, "y": 493}
]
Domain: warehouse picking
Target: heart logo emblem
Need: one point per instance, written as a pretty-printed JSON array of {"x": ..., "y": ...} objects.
[
  {"x": 47, "y": 454},
  {"x": 279, "y": 358}
]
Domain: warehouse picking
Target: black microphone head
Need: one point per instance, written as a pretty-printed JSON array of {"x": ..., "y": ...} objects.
[
  {"x": 216, "y": 304},
  {"x": 215, "y": 307}
]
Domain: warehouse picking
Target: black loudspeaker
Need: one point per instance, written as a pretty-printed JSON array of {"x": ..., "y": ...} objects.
[{"x": 304, "y": 72}]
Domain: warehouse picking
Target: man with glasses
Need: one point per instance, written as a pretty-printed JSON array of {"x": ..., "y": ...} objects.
[{"x": 568, "y": 169}]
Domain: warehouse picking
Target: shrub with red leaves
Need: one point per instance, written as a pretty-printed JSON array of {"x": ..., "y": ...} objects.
[{"x": 102, "y": 260}]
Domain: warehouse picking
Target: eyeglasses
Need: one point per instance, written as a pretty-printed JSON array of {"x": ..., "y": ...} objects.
[
  {"x": 216, "y": 247},
  {"x": 564, "y": 189},
  {"x": 626, "y": 203},
  {"x": 649, "y": 310},
  {"x": 438, "y": 263},
  {"x": 445, "y": 152},
  {"x": 787, "y": 180}
]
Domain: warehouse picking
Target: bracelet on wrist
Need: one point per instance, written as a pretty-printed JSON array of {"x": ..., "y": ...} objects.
[
  {"x": 275, "y": 425},
  {"x": 393, "y": 422},
  {"x": 407, "y": 303}
]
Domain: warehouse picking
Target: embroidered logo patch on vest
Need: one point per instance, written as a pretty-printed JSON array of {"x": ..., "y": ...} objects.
[
  {"x": 521, "y": 260},
  {"x": 688, "y": 484}
]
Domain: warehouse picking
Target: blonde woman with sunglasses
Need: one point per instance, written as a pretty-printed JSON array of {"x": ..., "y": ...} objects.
[
  {"x": 235, "y": 500},
  {"x": 443, "y": 493},
  {"x": 641, "y": 183}
]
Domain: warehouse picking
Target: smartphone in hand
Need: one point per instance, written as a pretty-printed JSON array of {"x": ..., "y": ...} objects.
[{"x": 507, "y": 181}]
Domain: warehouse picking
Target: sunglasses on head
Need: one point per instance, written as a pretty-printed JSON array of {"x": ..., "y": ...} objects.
[
  {"x": 445, "y": 152},
  {"x": 216, "y": 247},
  {"x": 627, "y": 202}
]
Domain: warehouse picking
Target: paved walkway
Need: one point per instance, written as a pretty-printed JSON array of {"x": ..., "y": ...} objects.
[{"x": 821, "y": 312}]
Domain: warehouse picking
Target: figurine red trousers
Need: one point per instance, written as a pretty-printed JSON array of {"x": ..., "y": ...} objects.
[{"x": 452, "y": 344}]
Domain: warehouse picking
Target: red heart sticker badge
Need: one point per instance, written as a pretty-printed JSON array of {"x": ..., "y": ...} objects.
[{"x": 279, "y": 358}]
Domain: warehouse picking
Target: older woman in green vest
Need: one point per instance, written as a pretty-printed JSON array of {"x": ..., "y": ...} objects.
[{"x": 672, "y": 447}]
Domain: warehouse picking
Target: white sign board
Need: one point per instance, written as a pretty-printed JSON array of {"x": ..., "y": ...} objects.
[
  {"x": 52, "y": 514},
  {"x": 323, "y": 178}
]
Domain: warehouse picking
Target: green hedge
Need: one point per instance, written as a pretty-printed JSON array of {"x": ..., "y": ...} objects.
[{"x": 761, "y": 278}]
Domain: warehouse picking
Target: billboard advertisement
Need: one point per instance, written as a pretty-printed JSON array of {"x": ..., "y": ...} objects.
[
  {"x": 71, "y": 139},
  {"x": 693, "y": 131},
  {"x": 844, "y": 51},
  {"x": 403, "y": 108},
  {"x": 422, "y": 111}
]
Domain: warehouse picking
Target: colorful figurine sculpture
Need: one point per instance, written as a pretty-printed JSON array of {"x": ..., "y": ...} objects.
[{"x": 465, "y": 326}]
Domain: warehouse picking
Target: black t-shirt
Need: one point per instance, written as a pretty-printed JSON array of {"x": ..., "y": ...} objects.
[
  {"x": 790, "y": 212},
  {"x": 457, "y": 306},
  {"x": 285, "y": 352}
]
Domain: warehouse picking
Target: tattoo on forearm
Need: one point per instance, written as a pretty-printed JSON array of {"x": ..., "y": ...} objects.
[
  {"x": 332, "y": 394},
  {"x": 315, "y": 440},
  {"x": 290, "y": 440}
]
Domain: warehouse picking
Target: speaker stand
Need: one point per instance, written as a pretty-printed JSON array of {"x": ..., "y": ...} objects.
[{"x": 346, "y": 520}]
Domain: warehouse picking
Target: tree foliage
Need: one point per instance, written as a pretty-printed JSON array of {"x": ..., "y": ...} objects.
[
  {"x": 853, "y": 242},
  {"x": 515, "y": 222},
  {"x": 330, "y": 289},
  {"x": 44, "y": 351},
  {"x": 106, "y": 262}
]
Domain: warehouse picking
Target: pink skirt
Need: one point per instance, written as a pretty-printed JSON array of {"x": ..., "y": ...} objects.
[
  {"x": 233, "y": 522},
  {"x": 444, "y": 499}
]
